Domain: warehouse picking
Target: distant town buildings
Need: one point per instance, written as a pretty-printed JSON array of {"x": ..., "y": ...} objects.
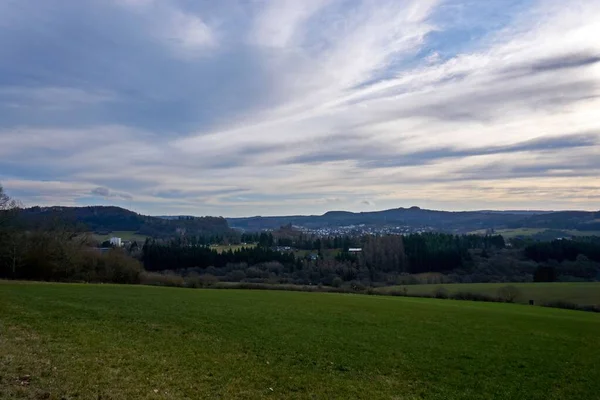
[
  {"x": 362, "y": 229},
  {"x": 116, "y": 241}
]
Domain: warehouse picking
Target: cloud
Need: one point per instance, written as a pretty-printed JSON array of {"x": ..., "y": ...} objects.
[
  {"x": 278, "y": 23},
  {"x": 244, "y": 108},
  {"x": 100, "y": 191},
  {"x": 184, "y": 31},
  {"x": 565, "y": 62},
  {"x": 106, "y": 192}
]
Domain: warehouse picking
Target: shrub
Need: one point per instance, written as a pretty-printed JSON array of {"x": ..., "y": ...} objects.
[
  {"x": 357, "y": 286},
  {"x": 236, "y": 276},
  {"x": 208, "y": 280},
  {"x": 337, "y": 282},
  {"x": 158, "y": 279},
  {"x": 395, "y": 293},
  {"x": 472, "y": 296},
  {"x": 571, "y": 306},
  {"x": 441, "y": 293},
  {"x": 193, "y": 280},
  {"x": 121, "y": 268},
  {"x": 508, "y": 294}
]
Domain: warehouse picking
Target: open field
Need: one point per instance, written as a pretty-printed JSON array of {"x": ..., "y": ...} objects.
[
  {"x": 584, "y": 293},
  {"x": 513, "y": 233},
  {"x": 125, "y": 235},
  {"x": 581, "y": 233},
  {"x": 128, "y": 342},
  {"x": 328, "y": 254},
  {"x": 233, "y": 247}
]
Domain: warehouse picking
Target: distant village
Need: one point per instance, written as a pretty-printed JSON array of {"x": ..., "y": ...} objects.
[{"x": 363, "y": 229}]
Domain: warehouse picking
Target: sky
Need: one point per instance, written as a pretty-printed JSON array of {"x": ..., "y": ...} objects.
[{"x": 250, "y": 107}]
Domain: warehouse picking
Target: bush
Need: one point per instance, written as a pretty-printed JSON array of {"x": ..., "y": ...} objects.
[
  {"x": 120, "y": 268},
  {"x": 236, "y": 276},
  {"x": 441, "y": 293},
  {"x": 357, "y": 286},
  {"x": 192, "y": 280},
  {"x": 158, "y": 279},
  {"x": 508, "y": 294},
  {"x": 472, "y": 296},
  {"x": 337, "y": 282},
  {"x": 208, "y": 280},
  {"x": 571, "y": 306}
]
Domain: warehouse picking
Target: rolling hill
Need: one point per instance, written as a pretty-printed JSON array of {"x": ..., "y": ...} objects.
[
  {"x": 415, "y": 217},
  {"x": 67, "y": 341},
  {"x": 101, "y": 219}
]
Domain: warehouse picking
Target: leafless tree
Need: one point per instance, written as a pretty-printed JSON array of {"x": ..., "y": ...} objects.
[{"x": 9, "y": 251}]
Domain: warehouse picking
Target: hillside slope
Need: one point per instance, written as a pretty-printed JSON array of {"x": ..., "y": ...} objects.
[
  {"x": 127, "y": 342},
  {"x": 106, "y": 219},
  {"x": 465, "y": 221}
]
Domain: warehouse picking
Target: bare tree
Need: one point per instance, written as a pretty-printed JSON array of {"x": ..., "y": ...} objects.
[
  {"x": 9, "y": 251},
  {"x": 509, "y": 293},
  {"x": 6, "y": 203}
]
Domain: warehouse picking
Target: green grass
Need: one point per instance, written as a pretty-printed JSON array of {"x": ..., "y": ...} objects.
[
  {"x": 582, "y": 233},
  {"x": 328, "y": 254},
  {"x": 584, "y": 293},
  {"x": 512, "y": 233},
  {"x": 124, "y": 235},
  {"x": 233, "y": 247},
  {"x": 136, "y": 342},
  {"x": 523, "y": 232}
]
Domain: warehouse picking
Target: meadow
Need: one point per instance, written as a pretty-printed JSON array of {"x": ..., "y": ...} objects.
[
  {"x": 233, "y": 247},
  {"x": 124, "y": 235},
  {"x": 580, "y": 293},
  {"x": 67, "y": 341},
  {"x": 525, "y": 232}
]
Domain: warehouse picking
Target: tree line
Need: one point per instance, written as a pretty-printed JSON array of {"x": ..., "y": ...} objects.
[
  {"x": 57, "y": 252},
  {"x": 381, "y": 256},
  {"x": 561, "y": 250}
]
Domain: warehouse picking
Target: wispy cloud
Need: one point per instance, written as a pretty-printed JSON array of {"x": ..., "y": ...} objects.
[{"x": 244, "y": 108}]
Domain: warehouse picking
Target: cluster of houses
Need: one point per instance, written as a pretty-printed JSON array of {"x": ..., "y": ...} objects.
[
  {"x": 114, "y": 242},
  {"x": 312, "y": 255}
]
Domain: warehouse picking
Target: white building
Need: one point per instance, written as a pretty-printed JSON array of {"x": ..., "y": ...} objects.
[{"x": 115, "y": 241}]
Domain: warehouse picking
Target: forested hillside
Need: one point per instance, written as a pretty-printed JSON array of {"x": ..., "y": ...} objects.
[
  {"x": 445, "y": 221},
  {"x": 106, "y": 219}
]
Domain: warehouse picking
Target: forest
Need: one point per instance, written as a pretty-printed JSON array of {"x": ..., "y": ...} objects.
[
  {"x": 106, "y": 219},
  {"x": 383, "y": 260}
]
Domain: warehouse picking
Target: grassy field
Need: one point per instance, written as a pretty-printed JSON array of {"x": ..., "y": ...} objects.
[
  {"x": 124, "y": 235},
  {"x": 233, "y": 247},
  {"x": 513, "y": 233},
  {"x": 585, "y": 293},
  {"x": 328, "y": 254},
  {"x": 61, "y": 341}
]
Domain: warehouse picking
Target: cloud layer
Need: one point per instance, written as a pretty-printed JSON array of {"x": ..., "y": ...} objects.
[{"x": 244, "y": 108}]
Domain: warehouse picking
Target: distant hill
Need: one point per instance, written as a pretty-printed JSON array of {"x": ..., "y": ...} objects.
[
  {"x": 107, "y": 219},
  {"x": 172, "y": 217},
  {"x": 580, "y": 220},
  {"x": 464, "y": 221},
  {"x": 102, "y": 219}
]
